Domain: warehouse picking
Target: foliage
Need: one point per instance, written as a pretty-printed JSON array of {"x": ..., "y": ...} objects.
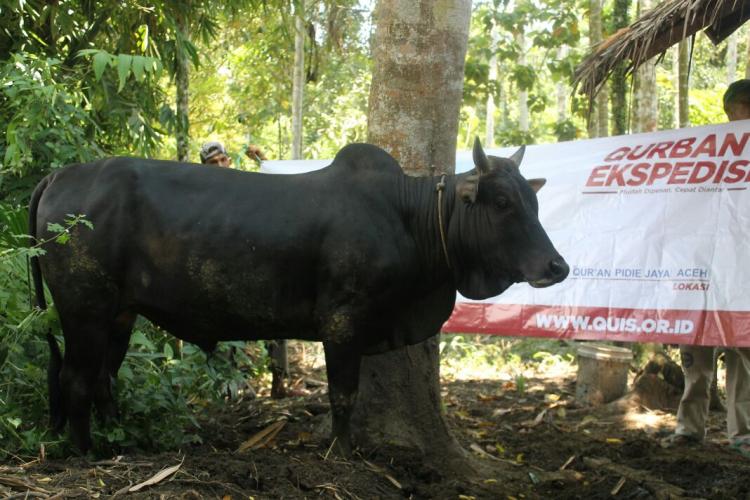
[
  {"x": 58, "y": 107},
  {"x": 706, "y": 107},
  {"x": 545, "y": 72},
  {"x": 81, "y": 78},
  {"x": 44, "y": 122},
  {"x": 22, "y": 375},
  {"x": 547, "y": 26},
  {"x": 488, "y": 357},
  {"x": 159, "y": 391},
  {"x": 242, "y": 93}
]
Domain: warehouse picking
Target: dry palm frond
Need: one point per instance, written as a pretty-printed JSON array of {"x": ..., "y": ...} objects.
[{"x": 656, "y": 31}]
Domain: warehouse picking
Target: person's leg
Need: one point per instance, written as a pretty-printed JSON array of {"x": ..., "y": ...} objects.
[
  {"x": 697, "y": 364},
  {"x": 738, "y": 393}
]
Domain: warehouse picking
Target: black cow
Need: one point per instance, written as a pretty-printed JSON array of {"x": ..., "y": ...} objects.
[{"x": 357, "y": 255}]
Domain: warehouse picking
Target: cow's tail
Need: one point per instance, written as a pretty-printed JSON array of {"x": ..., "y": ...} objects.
[
  {"x": 36, "y": 271},
  {"x": 57, "y": 416}
]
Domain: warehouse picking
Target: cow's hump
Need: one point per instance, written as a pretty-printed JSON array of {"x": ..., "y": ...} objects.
[{"x": 365, "y": 157}]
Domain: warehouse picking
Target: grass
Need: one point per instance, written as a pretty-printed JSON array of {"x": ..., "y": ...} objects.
[{"x": 466, "y": 357}]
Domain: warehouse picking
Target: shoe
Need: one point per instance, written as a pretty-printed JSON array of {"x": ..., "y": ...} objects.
[{"x": 677, "y": 440}]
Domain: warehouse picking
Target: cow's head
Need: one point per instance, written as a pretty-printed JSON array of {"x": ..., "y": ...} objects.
[{"x": 494, "y": 237}]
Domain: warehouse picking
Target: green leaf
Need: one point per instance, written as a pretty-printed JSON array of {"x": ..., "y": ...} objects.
[
  {"x": 87, "y": 52},
  {"x": 139, "y": 67},
  {"x": 54, "y": 227},
  {"x": 124, "y": 62},
  {"x": 139, "y": 338},
  {"x": 100, "y": 62},
  {"x": 525, "y": 77}
]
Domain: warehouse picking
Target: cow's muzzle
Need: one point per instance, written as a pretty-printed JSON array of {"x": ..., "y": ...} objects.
[{"x": 556, "y": 271}]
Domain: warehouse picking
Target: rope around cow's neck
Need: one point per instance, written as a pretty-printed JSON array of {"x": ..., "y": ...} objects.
[{"x": 440, "y": 187}]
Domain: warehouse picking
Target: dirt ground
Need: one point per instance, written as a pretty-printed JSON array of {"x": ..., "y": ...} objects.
[{"x": 529, "y": 442}]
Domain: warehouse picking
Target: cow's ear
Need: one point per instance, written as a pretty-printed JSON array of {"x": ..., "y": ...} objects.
[
  {"x": 536, "y": 184},
  {"x": 518, "y": 156},
  {"x": 481, "y": 162},
  {"x": 468, "y": 188}
]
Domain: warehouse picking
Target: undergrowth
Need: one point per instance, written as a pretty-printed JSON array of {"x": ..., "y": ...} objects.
[{"x": 464, "y": 356}]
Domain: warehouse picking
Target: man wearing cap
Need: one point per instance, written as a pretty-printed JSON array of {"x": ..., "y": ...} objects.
[{"x": 214, "y": 153}]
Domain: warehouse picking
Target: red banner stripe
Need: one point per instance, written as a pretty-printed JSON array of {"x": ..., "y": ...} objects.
[{"x": 670, "y": 326}]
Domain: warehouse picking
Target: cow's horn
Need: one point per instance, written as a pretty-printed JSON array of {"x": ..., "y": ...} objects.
[
  {"x": 536, "y": 184},
  {"x": 518, "y": 156},
  {"x": 480, "y": 159}
]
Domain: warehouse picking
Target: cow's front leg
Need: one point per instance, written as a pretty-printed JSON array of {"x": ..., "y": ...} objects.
[{"x": 342, "y": 364}]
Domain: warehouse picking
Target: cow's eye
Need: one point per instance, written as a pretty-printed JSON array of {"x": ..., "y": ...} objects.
[{"x": 501, "y": 202}]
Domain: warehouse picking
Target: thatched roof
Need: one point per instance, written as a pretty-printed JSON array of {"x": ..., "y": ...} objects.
[{"x": 656, "y": 31}]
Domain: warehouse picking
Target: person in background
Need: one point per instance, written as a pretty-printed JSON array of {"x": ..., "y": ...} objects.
[
  {"x": 698, "y": 362},
  {"x": 214, "y": 153},
  {"x": 737, "y": 100}
]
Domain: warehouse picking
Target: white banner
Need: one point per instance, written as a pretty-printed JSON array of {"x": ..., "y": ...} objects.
[{"x": 654, "y": 227}]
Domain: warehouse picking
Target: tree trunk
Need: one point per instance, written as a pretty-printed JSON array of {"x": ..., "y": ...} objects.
[
  {"x": 602, "y": 99},
  {"x": 181, "y": 78},
  {"x": 675, "y": 56},
  {"x": 647, "y": 102},
  {"x": 595, "y": 38},
  {"x": 683, "y": 84},
  {"x": 562, "y": 92},
  {"x": 602, "y": 110},
  {"x": 489, "y": 139},
  {"x": 635, "y": 103},
  {"x": 731, "y": 58},
  {"x": 618, "y": 82},
  {"x": 523, "y": 95},
  {"x": 418, "y": 50},
  {"x": 503, "y": 104},
  {"x": 298, "y": 79}
]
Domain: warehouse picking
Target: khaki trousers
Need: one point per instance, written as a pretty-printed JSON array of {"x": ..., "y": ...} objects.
[{"x": 697, "y": 364}]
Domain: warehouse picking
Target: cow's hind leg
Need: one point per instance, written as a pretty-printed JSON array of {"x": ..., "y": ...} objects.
[
  {"x": 85, "y": 350},
  {"x": 118, "y": 341},
  {"x": 342, "y": 364}
]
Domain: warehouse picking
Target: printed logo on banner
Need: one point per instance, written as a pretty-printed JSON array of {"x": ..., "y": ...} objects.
[{"x": 682, "y": 166}]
